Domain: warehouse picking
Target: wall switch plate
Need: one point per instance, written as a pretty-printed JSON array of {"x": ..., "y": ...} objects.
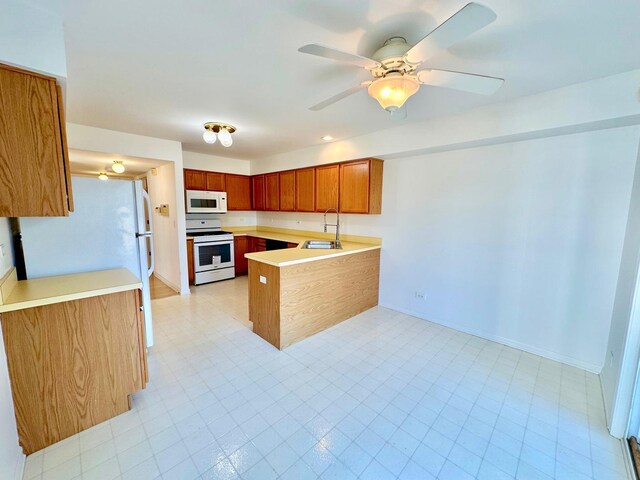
[{"x": 263, "y": 279}]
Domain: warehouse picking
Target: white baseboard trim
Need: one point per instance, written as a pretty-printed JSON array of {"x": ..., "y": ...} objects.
[
  {"x": 504, "y": 341},
  {"x": 169, "y": 284}
]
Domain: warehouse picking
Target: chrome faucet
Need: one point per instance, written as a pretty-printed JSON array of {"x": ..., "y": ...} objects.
[{"x": 337, "y": 225}]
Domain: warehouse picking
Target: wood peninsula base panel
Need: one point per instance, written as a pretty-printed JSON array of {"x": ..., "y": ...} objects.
[
  {"x": 74, "y": 364},
  {"x": 303, "y": 299}
]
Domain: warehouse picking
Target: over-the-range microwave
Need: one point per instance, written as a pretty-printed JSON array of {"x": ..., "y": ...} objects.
[{"x": 199, "y": 201}]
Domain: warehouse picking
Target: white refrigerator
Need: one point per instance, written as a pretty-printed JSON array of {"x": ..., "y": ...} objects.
[{"x": 110, "y": 228}]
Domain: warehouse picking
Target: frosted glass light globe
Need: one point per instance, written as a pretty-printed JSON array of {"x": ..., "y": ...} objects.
[
  {"x": 118, "y": 167},
  {"x": 225, "y": 138},
  {"x": 209, "y": 136}
]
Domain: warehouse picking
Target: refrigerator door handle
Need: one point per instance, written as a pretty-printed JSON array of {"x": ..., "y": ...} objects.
[{"x": 149, "y": 234}]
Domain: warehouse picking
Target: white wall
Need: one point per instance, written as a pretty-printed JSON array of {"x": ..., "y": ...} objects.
[
  {"x": 94, "y": 139},
  {"x": 32, "y": 38},
  {"x": 213, "y": 163},
  {"x": 517, "y": 242},
  {"x": 165, "y": 243},
  {"x": 622, "y": 355}
]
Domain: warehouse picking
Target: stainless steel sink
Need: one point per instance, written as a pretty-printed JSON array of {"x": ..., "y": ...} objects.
[{"x": 322, "y": 244}]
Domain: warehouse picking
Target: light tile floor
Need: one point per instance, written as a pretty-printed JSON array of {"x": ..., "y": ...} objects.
[{"x": 381, "y": 396}]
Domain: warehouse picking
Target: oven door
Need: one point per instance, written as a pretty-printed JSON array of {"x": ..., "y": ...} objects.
[{"x": 213, "y": 255}]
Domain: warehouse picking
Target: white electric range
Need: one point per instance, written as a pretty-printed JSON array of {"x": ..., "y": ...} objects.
[{"x": 212, "y": 251}]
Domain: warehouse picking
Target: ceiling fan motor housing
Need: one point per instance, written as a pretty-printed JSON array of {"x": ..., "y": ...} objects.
[{"x": 391, "y": 57}]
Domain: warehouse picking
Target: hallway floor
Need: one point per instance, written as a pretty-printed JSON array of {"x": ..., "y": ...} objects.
[{"x": 380, "y": 396}]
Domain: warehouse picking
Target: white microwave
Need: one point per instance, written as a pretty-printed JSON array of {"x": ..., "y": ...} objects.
[{"x": 199, "y": 201}]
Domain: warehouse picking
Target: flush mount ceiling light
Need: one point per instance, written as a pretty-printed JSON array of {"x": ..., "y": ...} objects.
[
  {"x": 218, "y": 130},
  {"x": 326, "y": 138},
  {"x": 118, "y": 166},
  {"x": 103, "y": 176}
]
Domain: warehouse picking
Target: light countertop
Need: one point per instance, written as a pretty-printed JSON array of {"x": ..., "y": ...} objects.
[
  {"x": 63, "y": 288},
  {"x": 293, "y": 256}
]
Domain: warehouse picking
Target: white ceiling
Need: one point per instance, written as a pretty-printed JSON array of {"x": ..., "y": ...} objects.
[
  {"x": 163, "y": 68},
  {"x": 84, "y": 162}
]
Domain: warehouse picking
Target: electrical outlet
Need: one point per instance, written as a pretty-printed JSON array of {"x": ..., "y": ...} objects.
[
  {"x": 419, "y": 295},
  {"x": 263, "y": 279}
]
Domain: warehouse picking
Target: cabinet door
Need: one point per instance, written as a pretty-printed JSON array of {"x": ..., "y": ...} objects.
[
  {"x": 190, "y": 265},
  {"x": 215, "y": 182},
  {"x": 195, "y": 179},
  {"x": 327, "y": 179},
  {"x": 241, "y": 246},
  {"x": 238, "y": 192},
  {"x": 257, "y": 192},
  {"x": 354, "y": 187},
  {"x": 287, "y": 191},
  {"x": 33, "y": 161},
  {"x": 272, "y": 191},
  {"x": 306, "y": 190}
]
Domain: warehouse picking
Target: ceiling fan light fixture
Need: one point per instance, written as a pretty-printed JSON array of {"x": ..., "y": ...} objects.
[
  {"x": 118, "y": 166},
  {"x": 393, "y": 90}
]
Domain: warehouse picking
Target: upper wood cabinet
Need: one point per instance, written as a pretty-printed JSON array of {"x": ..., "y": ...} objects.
[
  {"x": 195, "y": 179},
  {"x": 35, "y": 179},
  {"x": 215, "y": 182},
  {"x": 361, "y": 186},
  {"x": 306, "y": 190},
  {"x": 327, "y": 178},
  {"x": 257, "y": 192},
  {"x": 288, "y": 191},
  {"x": 238, "y": 188},
  {"x": 272, "y": 191}
]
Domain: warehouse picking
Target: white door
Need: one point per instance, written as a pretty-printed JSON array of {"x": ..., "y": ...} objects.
[{"x": 145, "y": 236}]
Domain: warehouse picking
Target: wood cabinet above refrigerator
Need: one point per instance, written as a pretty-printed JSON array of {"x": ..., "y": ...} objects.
[{"x": 35, "y": 180}]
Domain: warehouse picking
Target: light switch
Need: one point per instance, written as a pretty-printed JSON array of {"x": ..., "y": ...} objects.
[{"x": 263, "y": 279}]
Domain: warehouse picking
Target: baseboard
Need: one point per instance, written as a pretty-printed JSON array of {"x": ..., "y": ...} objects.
[
  {"x": 628, "y": 460},
  {"x": 169, "y": 284},
  {"x": 589, "y": 367}
]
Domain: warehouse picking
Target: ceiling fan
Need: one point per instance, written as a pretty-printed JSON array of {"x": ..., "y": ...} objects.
[{"x": 394, "y": 66}]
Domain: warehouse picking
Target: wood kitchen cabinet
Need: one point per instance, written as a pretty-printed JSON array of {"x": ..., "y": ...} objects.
[
  {"x": 327, "y": 178},
  {"x": 195, "y": 179},
  {"x": 240, "y": 247},
  {"x": 215, "y": 182},
  {"x": 35, "y": 180},
  {"x": 287, "y": 191},
  {"x": 272, "y": 191},
  {"x": 361, "y": 186},
  {"x": 258, "y": 192},
  {"x": 190, "y": 265},
  {"x": 258, "y": 244},
  {"x": 238, "y": 188},
  {"x": 74, "y": 364},
  {"x": 305, "y": 189}
]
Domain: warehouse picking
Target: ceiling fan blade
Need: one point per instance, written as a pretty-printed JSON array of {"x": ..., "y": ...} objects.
[
  {"x": 469, "y": 19},
  {"x": 398, "y": 114},
  {"x": 339, "y": 96},
  {"x": 467, "y": 82},
  {"x": 340, "y": 56}
]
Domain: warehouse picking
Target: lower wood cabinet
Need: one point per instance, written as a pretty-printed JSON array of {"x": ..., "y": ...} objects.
[
  {"x": 190, "y": 265},
  {"x": 74, "y": 364},
  {"x": 240, "y": 247}
]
